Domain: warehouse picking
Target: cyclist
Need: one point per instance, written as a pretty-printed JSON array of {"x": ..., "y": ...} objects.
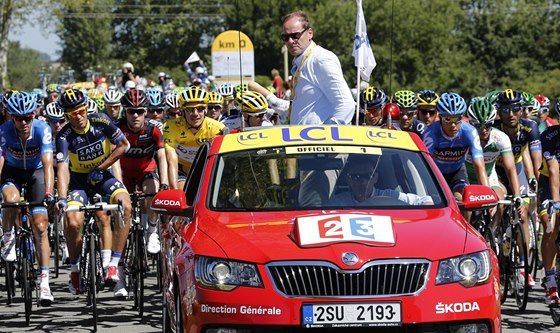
[
  {"x": 227, "y": 91},
  {"x": 529, "y": 106},
  {"x": 523, "y": 134},
  {"x": 372, "y": 102},
  {"x": 52, "y": 93},
  {"x": 543, "y": 118},
  {"x": 172, "y": 107},
  {"x": 549, "y": 193},
  {"x": 84, "y": 155},
  {"x": 496, "y": 144},
  {"x": 156, "y": 104},
  {"x": 407, "y": 101},
  {"x": 27, "y": 159},
  {"x": 254, "y": 110},
  {"x": 427, "y": 100},
  {"x": 215, "y": 106},
  {"x": 113, "y": 107},
  {"x": 138, "y": 163},
  {"x": 450, "y": 139},
  {"x": 183, "y": 135}
]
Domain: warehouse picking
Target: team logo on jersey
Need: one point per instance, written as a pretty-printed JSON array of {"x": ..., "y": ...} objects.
[{"x": 90, "y": 152}]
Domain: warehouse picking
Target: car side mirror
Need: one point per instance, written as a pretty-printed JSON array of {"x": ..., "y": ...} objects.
[
  {"x": 172, "y": 202},
  {"x": 478, "y": 197}
]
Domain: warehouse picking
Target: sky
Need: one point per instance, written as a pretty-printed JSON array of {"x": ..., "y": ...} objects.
[{"x": 33, "y": 37}]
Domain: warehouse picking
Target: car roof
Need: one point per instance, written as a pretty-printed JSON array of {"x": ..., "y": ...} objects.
[{"x": 317, "y": 135}]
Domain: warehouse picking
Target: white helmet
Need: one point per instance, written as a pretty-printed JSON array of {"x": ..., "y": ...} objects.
[
  {"x": 112, "y": 96},
  {"x": 91, "y": 106},
  {"x": 172, "y": 100},
  {"x": 129, "y": 66},
  {"x": 54, "y": 112}
]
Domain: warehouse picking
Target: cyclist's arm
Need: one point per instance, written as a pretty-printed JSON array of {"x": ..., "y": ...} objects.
[
  {"x": 480, "y": 170},
  {"x": 120, "y": 148},
  {"x": 48, "y": 171},
  {"x": 536, "y": 158},
  {"x": 172, "y": 167},
  {"x": 508, "y": 162},
  {"x": 554, "y": 178},
  {"x": 63, "y": 178},
  {"x": 528, "y": 164},
  {"x": 162, "y": 166}
]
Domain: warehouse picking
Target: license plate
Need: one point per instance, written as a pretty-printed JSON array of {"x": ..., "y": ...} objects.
[{"x": 352, "y": 314}]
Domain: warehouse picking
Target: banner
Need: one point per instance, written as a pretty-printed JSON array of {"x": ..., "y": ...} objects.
[{"x": 363, "y": 54}]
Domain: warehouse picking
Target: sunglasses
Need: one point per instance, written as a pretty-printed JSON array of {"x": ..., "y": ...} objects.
[
  {"x": 78, "y": 112},
  {"x": 428, "y": 112},
  {"x": 356, "y": 177},
  {"x": 451, "y": 120},
  {"x": 21, "y": 119},
  {"x": 294, "y": 35},
  {"x": 192, "y": 109},
  {"x": 485, "y": 125},
  {"x": 155, "y": 110},
  {"x": 136, "y": 111},
  {"x": 261, "y": 115},
  {"x": 373, "y": 110},
  {"x": 508, "y": 109},
  {"x": 57, "y": 121},
  {"x": 214, "y": 107},
  {"x": 543, "y": 110},
  {"x": 408, "y": 113}
]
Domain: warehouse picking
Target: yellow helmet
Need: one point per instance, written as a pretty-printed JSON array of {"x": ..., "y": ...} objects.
[
  {"x": 252, "y": 102},
  {"x": 193, "y": 96},
  {"x": 215, "y": 98}
]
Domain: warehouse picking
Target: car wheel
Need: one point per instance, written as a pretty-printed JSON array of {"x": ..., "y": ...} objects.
[
  {"x": 165, "y": 320},
  {"x": 178, "y": 313}
]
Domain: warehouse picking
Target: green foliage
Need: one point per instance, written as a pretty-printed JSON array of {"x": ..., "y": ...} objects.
[{"x": 25, "y": 64}]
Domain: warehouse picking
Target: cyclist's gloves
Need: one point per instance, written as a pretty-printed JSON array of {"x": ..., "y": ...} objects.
[
  {"x": 62, "y": 204},
  {"x": 533, "y": 184},
  {"x": 48, "y": 200},
  {"x": 95, "y": 176},
  {"x": 163, "y": 187},
  {"x": 517, "y": 201}
]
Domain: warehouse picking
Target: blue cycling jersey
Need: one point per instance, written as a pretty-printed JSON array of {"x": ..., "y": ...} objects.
[
  {"x": 25, "y": 155},
  {"x": 450, "y": 153}
]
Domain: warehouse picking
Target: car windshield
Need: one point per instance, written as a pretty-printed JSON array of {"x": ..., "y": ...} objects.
[{"x": 303, "y": 178}]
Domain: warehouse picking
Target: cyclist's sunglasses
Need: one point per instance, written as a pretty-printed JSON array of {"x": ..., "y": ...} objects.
[
  {"x": 428, "y": 112},
  {"x": 138, "y": 111},
  {"x": 194, "y": 108},
  {"x": 77, "y": 112},
  {"x": 21, "y": 119},
  {"x": 451, "y": 120},
  {"x": 155, "y": 110},
  {"x": 485, "y": 125},
  {"x": 508, "y": 109}
]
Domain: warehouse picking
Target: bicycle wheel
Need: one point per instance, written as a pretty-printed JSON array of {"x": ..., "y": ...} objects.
[
  {"x": 520, "y": 272},
  {"x": 56, "y": 250},
  {"x": 25, "y": 278},
  {"x": 92, "y": 290},
  {"x": 503, "y": 261},
  {"x": 534, "y": 254},
  {"x": 140, "y": 259}
]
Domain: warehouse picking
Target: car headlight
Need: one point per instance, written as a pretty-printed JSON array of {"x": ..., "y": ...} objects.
[
  {"x": 224, "y": 274},
  {"x": 468, "y": 270}
]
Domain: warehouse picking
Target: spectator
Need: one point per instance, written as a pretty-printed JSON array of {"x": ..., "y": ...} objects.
[
  {"x": 277, "y": 82},
  {"x": 320, "y": 95}
]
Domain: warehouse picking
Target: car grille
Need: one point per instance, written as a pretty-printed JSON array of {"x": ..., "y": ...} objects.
[{"x": 323, "y": 279}]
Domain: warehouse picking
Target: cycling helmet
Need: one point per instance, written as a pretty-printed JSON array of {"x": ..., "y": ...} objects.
[
  {"x": 6, "y": 95},
  {"x": 373, "y": 97},
  {"x": 215, "y": 98},
  {"x": 54, "y": 112},
  {"x": 21, "y": 104},
  {"x": 528, "y": 99},
  {"x": 134, "y": 98},
  {"x": 155, "y": 98},
  {"x": 71, "y": 99},
  {"x": 91, "y": 106},
  {"x": 427, "y": 98},
  {"x": 194, "y": 96},
  {"x": 52, "y": 88},
  {"x": 112, "y": 96},
  {"x": 241, "y": 88},
  {"x": 556, "y": 109},
  {"x": 226, "y": 90},
  {"x": 406, "y": 99},
  {"x": 481, "y": 112},
  {"x": 451, "y": 104},
  {"x": 252, "y": 102},
  {"x": 172, "y": 101},
  {"x": 94, "y": 93},
  {"x": 543, "y": 101},
  {"x": 492, "y": 96},
  {"x": 100, "y": 103},
  {"x": 509, "y": 97}
]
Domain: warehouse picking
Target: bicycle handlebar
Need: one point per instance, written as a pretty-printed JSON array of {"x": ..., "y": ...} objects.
[
  {"x": 508, "y": 199},
  {"x": 21, "y": 204},
  {"x": 95, "y": 207}
]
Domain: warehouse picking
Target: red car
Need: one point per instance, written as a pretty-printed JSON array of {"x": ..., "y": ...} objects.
[{"x": 336, "y": 228}]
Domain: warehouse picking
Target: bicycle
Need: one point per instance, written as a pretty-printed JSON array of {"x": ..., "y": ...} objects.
[
  {"x": 135, "y": 255},
  {"x": 481, "y": 221},
  {"x": 554, "y": 310},
  {"x": 510, "y": 240},
  {"x": 91, "y": 268},
  {"x": 56, "y": 238},
  {"x": 25, "y": 270}
]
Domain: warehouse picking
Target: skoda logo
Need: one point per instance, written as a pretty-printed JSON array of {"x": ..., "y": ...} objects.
[{"x": 350, "y": 258}]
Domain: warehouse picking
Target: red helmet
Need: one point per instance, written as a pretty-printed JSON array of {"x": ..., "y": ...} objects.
[
  {"x": 393, "y": 110},
  {"x": 544, "y": 101}
]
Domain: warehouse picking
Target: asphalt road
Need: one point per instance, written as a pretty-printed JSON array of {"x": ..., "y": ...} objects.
[{"x": 69, "y": 313}]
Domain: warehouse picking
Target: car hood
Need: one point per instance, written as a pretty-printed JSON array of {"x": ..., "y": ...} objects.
[{"x": 264, "y": 237}]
